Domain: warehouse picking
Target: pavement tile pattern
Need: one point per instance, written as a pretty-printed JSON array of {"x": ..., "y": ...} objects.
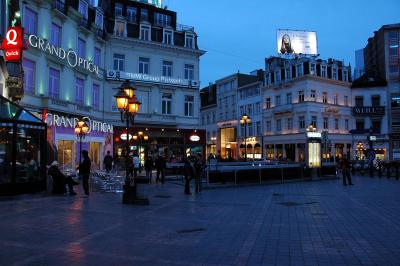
[{"x": 309, "y": 223}]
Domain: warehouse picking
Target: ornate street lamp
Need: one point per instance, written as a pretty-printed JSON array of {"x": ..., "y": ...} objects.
[
  {"x": 81, "y": 129},
  {"x": 128, "y": 105},
  {"x": 245, "y": 120}
]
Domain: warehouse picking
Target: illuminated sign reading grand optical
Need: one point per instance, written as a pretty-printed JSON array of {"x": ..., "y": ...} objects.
[{"x": 69, "y": 56}]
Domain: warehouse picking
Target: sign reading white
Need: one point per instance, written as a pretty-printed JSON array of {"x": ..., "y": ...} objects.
[
  {"x": 70, "y": 122},
  {"x": 117, "y": 75},
  {"x": 296, "y": 42},
  {"x": 314, "y": 135},
  {"x": 70, "y": 56}
]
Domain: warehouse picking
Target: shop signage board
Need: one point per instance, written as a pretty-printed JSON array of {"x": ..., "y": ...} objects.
[
  {"x": 194, "y": 138},
  {"x": 369, "y": 110},
  {"x": 121, "y": 75},
  {"x": 314, "y": 135},
  {"x": 13, "y": 44},
  {"x": 69, "y": 56}
]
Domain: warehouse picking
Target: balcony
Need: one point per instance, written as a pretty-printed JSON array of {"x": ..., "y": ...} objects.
[
  {"x": 181, "y": 27},
  {"x": 282, "y": 109},
  {"x": 59, "y": 6}
]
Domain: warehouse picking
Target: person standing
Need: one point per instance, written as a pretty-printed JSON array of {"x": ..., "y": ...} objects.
[
  {"x": 136, "y": 165},
  {"x": 160, "y": 167},
  {"x": 108, "y": 160},
  {"x": 189, "y": 172},
  {"x": 148, "y": 166},
  {"x": 345, "y": 166},
  {"x": 84, "y": 171},
  {"x": 198, "y": 167}
]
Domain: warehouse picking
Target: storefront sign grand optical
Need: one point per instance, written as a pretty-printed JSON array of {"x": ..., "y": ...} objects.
[
  {"x": 70, "y": 122},
  {"x": 70, "y": 56}
]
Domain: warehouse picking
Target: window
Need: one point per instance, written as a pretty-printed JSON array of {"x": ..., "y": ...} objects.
[
  {"x": 334, "y": 73},
  {"x": 81, "y": 48},
  {"x": 167, "y": 69},
  {"x": 289, "y": 123},
  {"x": 250, "y": 129},
  {"x": 376, "y": 125},
  {"x": 258, "y": 108},
  {"x": 145, "y": 32},
  {"x": 189, "y": 41},
  {"x": 299, "y": 69},
  {"x": 167, "y": 37},
  {"x": 131, "y": 14},
  {"x": 55, "y": 36},
  {"x": 96, "y": 96},
  {"x": 277, "y": 76},
  {"x": 277, "y": 100},
  {"x": 375, "y": 99},
  {"x": 287, "y": 73},
  {"x": 336, "y": 99},
  {"x": 144, "y": 15},
  {"x": 99, "y": 20},
  {"x": 119, "y": 28},
  {"x": 325, "y": 97},
  {"x": 162, "y": 19},
  {"x": 208, "y": 118},
  {"x": 189, "y": 106},
  {"x": 336, "y": 123},
  {"x": 288, "y": 98},
  {"x": 118, "y": 9},
  {"x": 213, "y": 117},
  {"x": 323, "y": 71},
  {"x": 79, "y": 86},
  {"x": 242, "y": 130},
  {"x": 54, "y": 83},
  {"x": 359, "y": 101},
  {"x": 30, "y": 21},
  {"x": 242, "y": 110},
  {"x": 312, "y": 69},
  {"x": 97, "y": 56},
  {"x": 314, "y": 121},
  {"x": 189, "y": 71},
  {"x": 29, "y": 76},
  {"x": 249, "y": 109},
  {"x": 83, "y": 9},
  {"x": 312, "y": 95},
  {"x": 144, "y": 64},
  {"x": 360, "y": 124},
  {"x": 268, "y": 103},
  {"x": 302, "y": 122},
  {"x": 346, "y": 124},
  {"x": 166, "y": 103},
  {"x": 326, "y": 123},
  {"x": 301, "y": 96},
  {"x": 202, "y": 120},
  {"x": 268, "y": 125},
  {"x": 346, "y": 100},
  {"x": 278, "y": 125},
  {"x": 345, "y": 76},
  {"x": 258, "y": 128},
  {"x": 119, "y": 62}
]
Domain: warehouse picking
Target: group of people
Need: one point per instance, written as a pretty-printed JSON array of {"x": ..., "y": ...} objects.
[
  {"x": 193, "y": 169},
  {"x": 61, "y": 181},
  {"x": 160, "y": 164}
]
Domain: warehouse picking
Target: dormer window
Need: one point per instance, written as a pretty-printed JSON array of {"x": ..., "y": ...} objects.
[
  {"x": 334, "y": 73},
  {"x": 168, "y": 37},
  {"x": 118, "y": 10},
  {"x": 83, "y": 8},
  {"x": 287, "y": 73},
  {"x": 323, "y": 71},
  {"x": 162, "y": 20},
  {"x": 345, "y": 76},
  {"x": 131, "y": 13},
  {"x": 119, "y": 29},
  {"x": 144, "y": 15},
  {"x": 145, "y": 32},
  {"x": 278, "y": 76},
  {"x": 299, "y": 69},
  {"x": 99, "y": 19},
  {"x": 189, "y": 41},
  {"x": 312, "y": 69}
]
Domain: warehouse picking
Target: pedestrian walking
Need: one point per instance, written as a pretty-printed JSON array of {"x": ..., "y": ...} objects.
[
  {"x": 345, "y": 167},
  {"x": 160, "y": 167},
  {"x": 199, "y": 169},
  {"x": 188, "y": 170},
  {"x": 108, "y": 160},
  {"x": 148, "y": 167},
  {"x": 84, "y": 171},
  {"x": 136, "y": 165}
]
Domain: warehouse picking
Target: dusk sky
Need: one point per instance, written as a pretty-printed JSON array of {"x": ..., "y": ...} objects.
[{"x": 238, "y": 35}]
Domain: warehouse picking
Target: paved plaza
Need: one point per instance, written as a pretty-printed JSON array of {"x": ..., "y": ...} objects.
[{"x": 310, "y": 223}]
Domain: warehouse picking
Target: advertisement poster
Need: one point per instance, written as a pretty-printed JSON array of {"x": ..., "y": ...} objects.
[{"x": 296, "y": 42}]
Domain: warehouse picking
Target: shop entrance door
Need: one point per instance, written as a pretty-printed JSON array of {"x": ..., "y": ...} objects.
[
  {"x": 66, "y": 154},
  {"x": 94, "y": 154}
]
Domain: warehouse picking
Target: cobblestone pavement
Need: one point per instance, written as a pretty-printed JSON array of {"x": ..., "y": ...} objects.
[{"x": 310, "y": 223}]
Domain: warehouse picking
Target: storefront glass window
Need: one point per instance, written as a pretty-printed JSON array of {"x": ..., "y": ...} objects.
[
  {"x": 94, "y": 154},
  {"x": 6, "y": 132},
  {"x": 66, "y": 154}
]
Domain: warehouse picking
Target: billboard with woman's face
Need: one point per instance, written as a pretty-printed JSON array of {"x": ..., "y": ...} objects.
[{"x": 296, "y": 42}]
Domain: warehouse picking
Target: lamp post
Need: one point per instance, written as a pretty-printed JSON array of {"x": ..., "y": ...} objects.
[
  {"x": 81, "y": 129},
  {"x": 128, "y": 105},
  {"x": 245, "y": 120}
]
